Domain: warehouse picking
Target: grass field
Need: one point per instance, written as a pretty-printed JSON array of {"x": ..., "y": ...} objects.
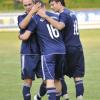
[{"x": 10, "y": 82}]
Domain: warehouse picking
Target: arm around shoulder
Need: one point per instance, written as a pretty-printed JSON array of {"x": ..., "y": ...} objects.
[{"x": 56, "y": 24}]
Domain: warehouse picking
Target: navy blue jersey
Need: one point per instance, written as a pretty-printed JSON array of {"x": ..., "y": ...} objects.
[
  {"x": 29, "y": 46},
  {"x": 50, "y": 39},
  {"x": 71, "y": 32}
]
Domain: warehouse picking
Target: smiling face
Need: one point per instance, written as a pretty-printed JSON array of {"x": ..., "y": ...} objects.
[{"x": 27, "y": 4}]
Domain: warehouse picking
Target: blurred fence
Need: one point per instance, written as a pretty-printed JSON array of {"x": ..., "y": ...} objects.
[
  {"x": 86, "y": 20},
  {"x": 8, "y": 21}
]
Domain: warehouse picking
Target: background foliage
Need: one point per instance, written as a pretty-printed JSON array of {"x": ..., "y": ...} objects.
[{"x": 11, "y": 5}]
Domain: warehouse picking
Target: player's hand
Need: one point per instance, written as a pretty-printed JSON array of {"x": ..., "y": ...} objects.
[
  {"x": 36, "y": 7},
  {"x": 41, "y": 12},
  {"x": 19, "y": 37}
]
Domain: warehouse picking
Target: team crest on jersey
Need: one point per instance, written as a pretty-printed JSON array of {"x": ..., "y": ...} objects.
[{"x": 41, "y": 19}]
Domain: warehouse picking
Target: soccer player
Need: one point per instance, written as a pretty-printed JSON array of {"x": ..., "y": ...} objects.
[
  {"x": 52, "y": 50},
  {"x": 75, "y": 58},
  {"x": 30, "y": 53}
]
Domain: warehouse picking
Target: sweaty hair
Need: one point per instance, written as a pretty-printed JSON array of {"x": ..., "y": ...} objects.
[{"x": 62, "y": 1}]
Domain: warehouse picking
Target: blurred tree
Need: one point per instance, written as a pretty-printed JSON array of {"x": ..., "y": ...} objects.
[{"x": 17, "y": 3}]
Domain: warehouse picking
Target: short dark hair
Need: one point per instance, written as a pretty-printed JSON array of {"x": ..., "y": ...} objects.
[
  {"x": 62, "y": 1},
  {"x": 36, "y": 1}
]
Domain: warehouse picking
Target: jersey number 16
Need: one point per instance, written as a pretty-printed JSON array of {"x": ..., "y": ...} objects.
[{"x": 53, "y": 32}]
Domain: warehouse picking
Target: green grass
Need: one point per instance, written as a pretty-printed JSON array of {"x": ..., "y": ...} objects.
[
  {"x": 83, "y": 4},
  {"x": 10, "y": 82}
]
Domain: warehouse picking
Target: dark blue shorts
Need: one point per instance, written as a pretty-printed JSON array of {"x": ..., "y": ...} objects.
[
  {"x": 74, "y": 66},
  {"x": 30, "y": 66},
  {"x": 52, "y": 66}
]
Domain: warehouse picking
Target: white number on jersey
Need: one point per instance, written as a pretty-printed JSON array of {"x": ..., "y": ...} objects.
[
  {"x": 54, "y": 33},
  {"x": 76, "y": 28}
]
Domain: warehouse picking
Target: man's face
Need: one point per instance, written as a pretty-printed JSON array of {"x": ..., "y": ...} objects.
[
  {"x": 28, "y": 4},
  {"x": 54, "y": 6}
]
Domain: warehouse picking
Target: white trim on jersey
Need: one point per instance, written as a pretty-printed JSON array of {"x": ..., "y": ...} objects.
[
  {"x": 47, "y": 67},
  {"x": 30, "y": 54},
  {"x": 23, "y": 63},
  {"x": 42, "y": 67},
  {"x": 54, "y": 17},
  {"x": 54, "y": 54}
]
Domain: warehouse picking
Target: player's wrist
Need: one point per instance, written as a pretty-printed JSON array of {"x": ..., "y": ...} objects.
[
  {"x": 45, "y": 16},
  {"x": 32, "y": 13}
]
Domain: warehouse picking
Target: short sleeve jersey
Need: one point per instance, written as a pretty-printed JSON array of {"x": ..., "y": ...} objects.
[
  {"x": 70, "y": 32},
  {"x": 50, "y": 39},
  {"x": 29, "y": 46}
]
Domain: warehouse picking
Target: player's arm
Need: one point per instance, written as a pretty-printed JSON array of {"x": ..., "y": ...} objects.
[
  {"x": 23, "y": 24},
  {"x": 56, "y": 24},
  {"x": 25, "y": 35},
  {"x": 30, "y": 30},
  {"x": 27, "y": 19}
]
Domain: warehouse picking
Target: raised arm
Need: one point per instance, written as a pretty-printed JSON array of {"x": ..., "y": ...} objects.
[
  {"x": 27, "y": 19},
  {"x": 56, "y": 24}
]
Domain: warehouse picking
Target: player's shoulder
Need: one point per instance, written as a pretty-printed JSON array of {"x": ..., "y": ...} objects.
[
  {"x": 52, "y": 14},
  {"x": 36, "y": 18},
  {"x": 69, "y": 12},
  {"x": 22, "y": 15}
]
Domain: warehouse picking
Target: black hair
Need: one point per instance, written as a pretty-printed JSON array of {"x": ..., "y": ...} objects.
[
  {"x": 36, "y": 1},
  {"x": 62, "y": 1}
]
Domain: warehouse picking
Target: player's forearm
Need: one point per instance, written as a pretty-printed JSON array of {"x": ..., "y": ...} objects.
[
  {"x": 26, "y": 20},
  {"x": 25, "y": 36},
  {"x": 54, "y": 23}
]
